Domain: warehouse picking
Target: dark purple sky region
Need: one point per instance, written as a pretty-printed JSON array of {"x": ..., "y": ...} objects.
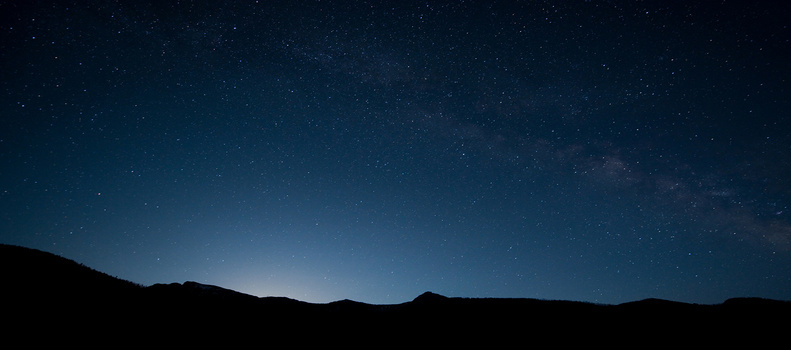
[{"x": 603, "y": 151}]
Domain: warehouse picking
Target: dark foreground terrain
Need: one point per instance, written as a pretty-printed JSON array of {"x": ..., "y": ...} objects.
[{"x": 48, "y": 300}]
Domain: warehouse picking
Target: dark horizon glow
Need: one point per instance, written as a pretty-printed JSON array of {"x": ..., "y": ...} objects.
[{"x": 598, "y": 151}]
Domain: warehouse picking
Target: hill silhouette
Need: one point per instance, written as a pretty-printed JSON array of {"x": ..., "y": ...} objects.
[{"x": 51, "y": 299}]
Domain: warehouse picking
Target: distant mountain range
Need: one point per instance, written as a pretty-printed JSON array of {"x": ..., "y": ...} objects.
[{"x": 48, "y": 299}]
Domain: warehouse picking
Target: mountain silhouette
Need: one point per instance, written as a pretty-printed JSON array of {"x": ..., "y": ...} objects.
[{"x": 50, "y": 299}]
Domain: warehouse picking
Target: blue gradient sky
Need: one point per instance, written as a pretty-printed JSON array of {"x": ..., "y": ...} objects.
[{"x": 600, "y": 151}]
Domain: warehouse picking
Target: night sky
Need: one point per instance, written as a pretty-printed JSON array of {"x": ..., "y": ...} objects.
[{"x": 601, "y": 151}]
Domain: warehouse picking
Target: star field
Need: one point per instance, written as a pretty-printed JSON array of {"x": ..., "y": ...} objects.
[{"x": 599, "y": 151}]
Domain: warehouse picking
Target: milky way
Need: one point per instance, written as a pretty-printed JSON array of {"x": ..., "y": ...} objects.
[{"x": 598, "y": 151}]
